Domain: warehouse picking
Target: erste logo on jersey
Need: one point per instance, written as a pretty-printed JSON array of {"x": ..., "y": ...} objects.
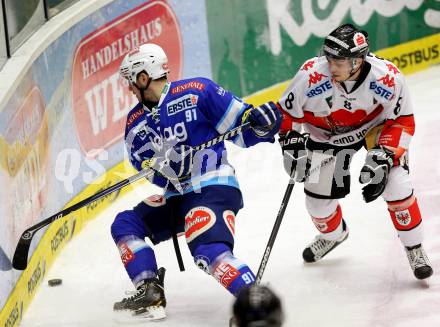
[
  {"x": 384, "y": 87},
  {"x": 319, "y": 89},
  {"x": 188, "y": 101}
]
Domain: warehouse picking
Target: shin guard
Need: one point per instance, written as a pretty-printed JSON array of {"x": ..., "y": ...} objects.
[{"x": 138, "y": 258}]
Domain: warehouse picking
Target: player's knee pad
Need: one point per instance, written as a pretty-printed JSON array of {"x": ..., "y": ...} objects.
[
  {"x": 399, "y": 185},
  {"x": 321, "y": 207},
  {"x": 206, "y": 254},
  {"x": 127, "y": 223}
]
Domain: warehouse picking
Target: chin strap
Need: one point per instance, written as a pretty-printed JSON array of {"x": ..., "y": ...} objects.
[{"x": 352, "y": 73}]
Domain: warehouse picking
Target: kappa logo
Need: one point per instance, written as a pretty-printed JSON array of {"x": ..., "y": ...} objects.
[
  {"x": 197, "y": 221},
  {"x": 403, "y": 217},
  {"x": 308, "y": 65},
  {"x": 387, "y": 81},
  {"x": 393, "y": 69},
  {"x": 188, "y": 101},
  {"x": 315, "y": 78}
]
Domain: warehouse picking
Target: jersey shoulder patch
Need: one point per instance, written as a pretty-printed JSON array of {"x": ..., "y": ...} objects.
[
  {"x": 134, "y": 114},
  {"x": 188, "y": 85}
]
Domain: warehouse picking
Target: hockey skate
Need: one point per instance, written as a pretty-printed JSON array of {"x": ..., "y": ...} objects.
[
  {"x": 419, "y": 261},
  {"x": 320, "y": 246},
  {"x": 148, "y": 302}
]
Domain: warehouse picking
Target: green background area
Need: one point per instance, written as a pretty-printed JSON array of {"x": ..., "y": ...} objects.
[{"x": 239, "y": 40}]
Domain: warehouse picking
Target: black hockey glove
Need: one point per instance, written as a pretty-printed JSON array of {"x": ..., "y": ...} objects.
[
  {"x": 265, "y": 120},
  {"x": 375, "y": 172},
  {"x": 295, "y": 155}
]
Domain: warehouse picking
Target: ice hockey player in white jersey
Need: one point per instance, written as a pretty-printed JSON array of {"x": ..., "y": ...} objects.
[{"x": 337, "y": 103}]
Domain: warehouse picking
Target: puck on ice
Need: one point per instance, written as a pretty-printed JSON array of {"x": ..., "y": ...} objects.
[{"x": 55, "y": 282}]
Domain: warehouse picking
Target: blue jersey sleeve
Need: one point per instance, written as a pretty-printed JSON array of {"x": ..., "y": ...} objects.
[
  {"x": 225, "y": 111},
  {"x": 141, "y": 143}
]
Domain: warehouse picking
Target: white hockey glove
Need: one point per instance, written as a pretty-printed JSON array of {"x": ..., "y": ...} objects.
[
  {"x": 295, "y": 155},
  {"x": 375, "y": 172}
]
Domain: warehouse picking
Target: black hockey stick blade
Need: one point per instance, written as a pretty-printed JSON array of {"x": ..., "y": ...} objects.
[{"x": 19, "y": 261}]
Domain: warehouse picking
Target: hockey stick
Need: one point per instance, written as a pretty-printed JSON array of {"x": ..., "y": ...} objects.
[
  {"x": 19, "y": 260},
  {"x": 275, "y": 229},
  {"x": 270, "y": 243}
]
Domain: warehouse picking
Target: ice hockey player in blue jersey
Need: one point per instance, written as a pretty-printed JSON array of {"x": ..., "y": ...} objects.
[{"x": 201, "y": 193}]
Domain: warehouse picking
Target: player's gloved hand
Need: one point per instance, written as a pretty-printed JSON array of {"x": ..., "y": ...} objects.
[
  {"x": 265, "y": 120},
  {"x": 375, "y": 172},
  {"x": 295, "y": 155},
  {"x": 178, "y": 162}
]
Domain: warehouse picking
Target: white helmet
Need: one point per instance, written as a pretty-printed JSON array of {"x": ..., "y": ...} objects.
[{"x": 148, "y": 57}]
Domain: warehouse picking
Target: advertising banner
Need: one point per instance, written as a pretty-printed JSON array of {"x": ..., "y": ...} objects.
[
  {"x": 61, "y": 131},
  {"x": 264, "y": 42}
]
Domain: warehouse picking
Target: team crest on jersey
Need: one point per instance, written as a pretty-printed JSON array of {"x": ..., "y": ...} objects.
[
  {"x": 403, "y": 217},
  {"x": 188, "y": 101}
]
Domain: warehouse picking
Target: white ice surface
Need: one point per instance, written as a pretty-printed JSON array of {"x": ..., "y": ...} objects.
[{"x": 366, "y": 281}]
